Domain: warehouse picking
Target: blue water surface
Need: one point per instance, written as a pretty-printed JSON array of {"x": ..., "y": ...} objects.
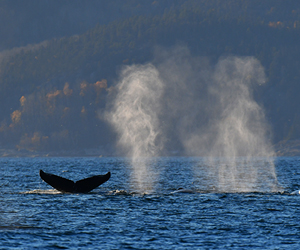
[{"x": 117, "y": 215}]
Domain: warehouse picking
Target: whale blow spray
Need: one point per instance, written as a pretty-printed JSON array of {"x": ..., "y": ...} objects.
[
  {"x": 135, "y": 118},
  {"x": 239, "y": 128},
  {"x": 213, "y": 113},
  {"x": 185, "y": 104}
]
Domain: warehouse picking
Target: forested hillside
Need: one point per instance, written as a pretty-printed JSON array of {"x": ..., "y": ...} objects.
[{"x": 53, "y": 94}]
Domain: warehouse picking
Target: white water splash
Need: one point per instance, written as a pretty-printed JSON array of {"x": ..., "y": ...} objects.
[{"x": 42, "y": 191}]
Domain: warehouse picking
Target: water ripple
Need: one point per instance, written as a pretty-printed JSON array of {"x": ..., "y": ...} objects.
[{"x": 114, "y": 216}]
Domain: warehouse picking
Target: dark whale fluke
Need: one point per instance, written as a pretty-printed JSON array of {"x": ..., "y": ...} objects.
[{"x": 68, "y": 186}]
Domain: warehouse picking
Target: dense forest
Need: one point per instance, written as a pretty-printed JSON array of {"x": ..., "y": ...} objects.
[{"x": 61, "y": 60}]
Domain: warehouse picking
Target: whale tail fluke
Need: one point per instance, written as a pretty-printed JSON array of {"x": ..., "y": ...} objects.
[
  {"x": 68, "y": 186},
  {"x": 88, "y": 184}
]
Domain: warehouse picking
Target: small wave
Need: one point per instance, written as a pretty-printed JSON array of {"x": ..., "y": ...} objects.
[
  {"x": 184, "y": 191},
  {"x": 297, "y": 192}
]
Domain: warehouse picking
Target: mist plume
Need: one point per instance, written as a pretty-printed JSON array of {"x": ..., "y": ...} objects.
[
  {"x": 135, "y": 118},
  {"x": 187, "y": 104},
  {"x": 238, "y": 129}
]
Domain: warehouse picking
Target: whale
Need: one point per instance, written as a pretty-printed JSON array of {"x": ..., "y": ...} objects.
[{"x": 68, "y": 186}]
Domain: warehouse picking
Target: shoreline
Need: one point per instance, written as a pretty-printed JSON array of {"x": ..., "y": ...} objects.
[{"x": 281, "y": 149}]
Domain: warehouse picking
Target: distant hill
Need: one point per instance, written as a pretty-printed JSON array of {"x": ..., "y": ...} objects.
[
  {"x": 53, "y": 92},
  {"x": 33, "y": 21}
]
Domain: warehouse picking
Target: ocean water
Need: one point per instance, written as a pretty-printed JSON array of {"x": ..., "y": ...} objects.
[{"x": 118, "y": 216}]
